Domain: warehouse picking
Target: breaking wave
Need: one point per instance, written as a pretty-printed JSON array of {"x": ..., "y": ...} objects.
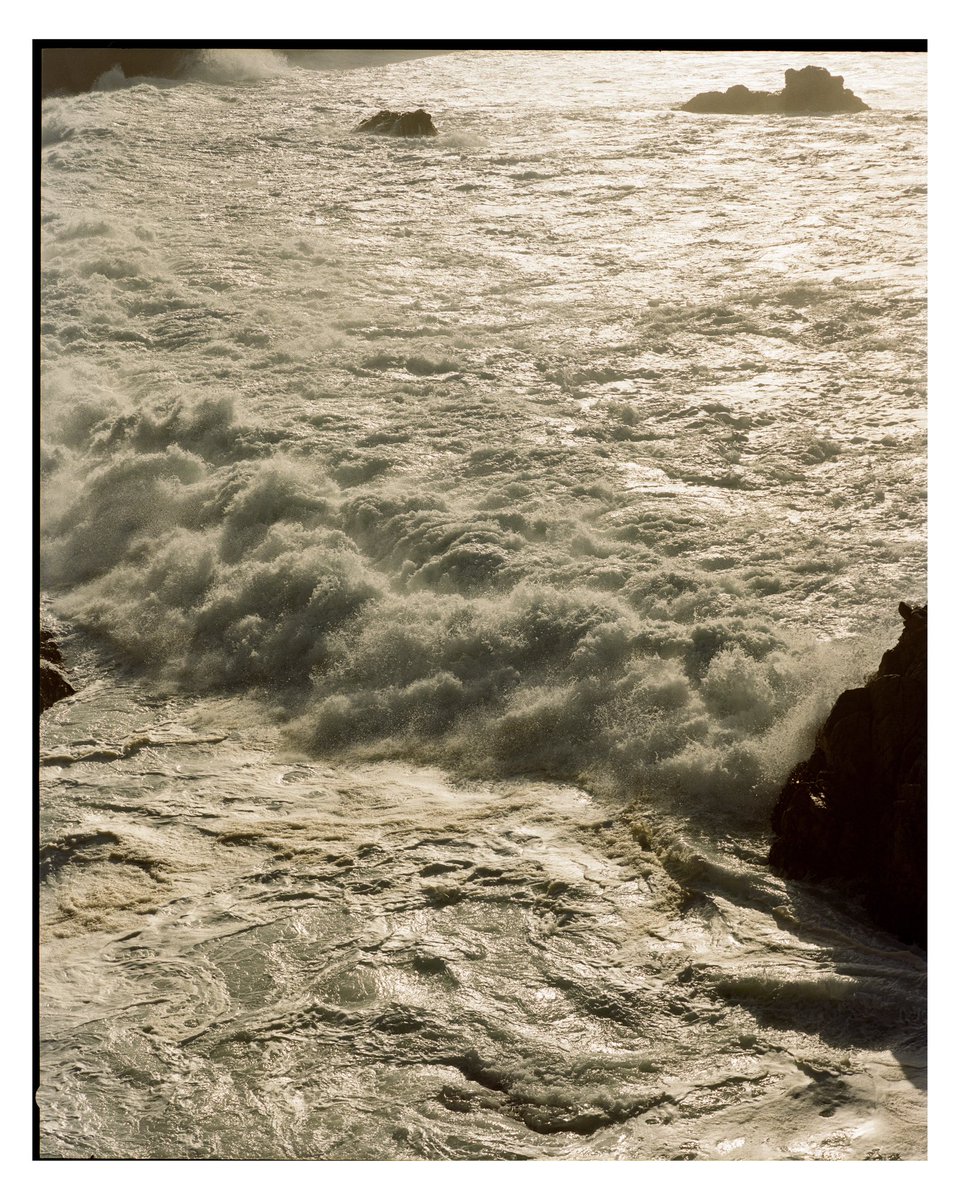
[
  {"x": 528, "y": 453},
  {"x": 393, "y": 623},
  {"x": 523, "y": 524}
]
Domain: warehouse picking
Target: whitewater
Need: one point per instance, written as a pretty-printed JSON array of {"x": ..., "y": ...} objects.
[{"x": 454, "y": 544}]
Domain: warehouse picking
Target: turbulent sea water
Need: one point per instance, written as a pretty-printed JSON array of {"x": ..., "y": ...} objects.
[{"x": 455, "y": 543}]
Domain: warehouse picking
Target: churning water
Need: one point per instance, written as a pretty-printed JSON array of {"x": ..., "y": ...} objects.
[{"x": 457, "y": 542}]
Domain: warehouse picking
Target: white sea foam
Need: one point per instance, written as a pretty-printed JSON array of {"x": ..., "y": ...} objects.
[
  {"x": 236, "y": 65},
  {"x": 514, "y": 454}
]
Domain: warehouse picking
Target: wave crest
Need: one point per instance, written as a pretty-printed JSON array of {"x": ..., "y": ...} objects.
[{"x": 393, "y": 624}]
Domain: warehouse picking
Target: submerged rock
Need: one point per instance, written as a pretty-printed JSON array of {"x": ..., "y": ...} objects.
[
  {"x": 811, "y": 90},
  {"x": 856, "y": 810},
  {"x": 396, "y": 124},
  {"x": 53, "y": 684}
]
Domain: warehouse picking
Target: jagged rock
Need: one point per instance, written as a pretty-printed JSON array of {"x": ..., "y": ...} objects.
[
  {"x": 811, "y": 90},
  {"x": 49, "y": 648},
  {"x": 856, "y": 811},
  {"x": 814, "y": 90},
  {"x": 395, "y": 124},
  {"x": 53, "y": 684}
]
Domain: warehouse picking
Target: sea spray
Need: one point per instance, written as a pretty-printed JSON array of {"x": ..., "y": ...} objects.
[
  {"x": 458, "y": 542},
  {"x": 395, "y": 620}
]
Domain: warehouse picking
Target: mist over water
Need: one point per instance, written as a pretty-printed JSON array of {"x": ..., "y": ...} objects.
[{"x": 460, "y": 540}]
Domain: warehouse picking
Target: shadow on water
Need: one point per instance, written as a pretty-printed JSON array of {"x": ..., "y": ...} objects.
[{"x": 859, "y": 987}]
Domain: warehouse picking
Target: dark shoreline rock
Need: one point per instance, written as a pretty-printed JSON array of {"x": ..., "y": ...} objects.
[
  {"x": 855, "y": 812},
  {"x": 54, "y": 685},
  {"x": 69, "y": 69},
  {"x": 812, "y": 90},
  {"x": 395, "y": 124}
]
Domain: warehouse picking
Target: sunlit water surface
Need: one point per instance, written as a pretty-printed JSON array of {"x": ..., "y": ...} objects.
[{"x": 457, "y": 542}]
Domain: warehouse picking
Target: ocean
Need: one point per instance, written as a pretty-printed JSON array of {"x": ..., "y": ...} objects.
[{"x": 454, "y": 544}]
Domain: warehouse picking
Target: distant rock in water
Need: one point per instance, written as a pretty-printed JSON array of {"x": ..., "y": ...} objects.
[
  {"x": 395, "y": 124},
  {"x": 856, "y": 810},
  {"x": 53, "y": 684},
  {"x": 812, "y": 90}
]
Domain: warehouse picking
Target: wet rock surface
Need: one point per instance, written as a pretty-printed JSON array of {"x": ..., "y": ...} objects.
[
  {"x": 54, "y": 685},
  {"x": 396, "y": 124},
  {"x": 856, "y": 810},
  {"x": 810, "y": 90}
]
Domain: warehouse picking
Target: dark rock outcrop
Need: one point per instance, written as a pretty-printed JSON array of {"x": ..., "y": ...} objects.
[
  {"x": 395, "y": 124},
  {"x": 53, "y": 684},
  {"x": 815, "y": 90},
  {"x": 77, "y": 68},
  {"x": 49, "y": 648},
  {"x": 812, "y": 90},
  {"x": 856, "y": 811}
]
